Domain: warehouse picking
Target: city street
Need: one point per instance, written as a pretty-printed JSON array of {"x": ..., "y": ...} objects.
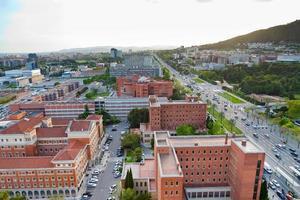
[{"x": 106, "y": 179}]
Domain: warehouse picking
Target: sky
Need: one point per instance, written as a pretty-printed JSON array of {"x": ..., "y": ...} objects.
[{"x": 50, "y": 25}]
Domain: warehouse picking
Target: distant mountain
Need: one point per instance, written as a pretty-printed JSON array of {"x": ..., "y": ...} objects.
[
  {"x": 98, "y": 49},
  {"x": 282, "y": 33}
]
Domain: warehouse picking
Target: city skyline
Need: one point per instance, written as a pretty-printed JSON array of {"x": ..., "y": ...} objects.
[{"x": 51, "y": 25}]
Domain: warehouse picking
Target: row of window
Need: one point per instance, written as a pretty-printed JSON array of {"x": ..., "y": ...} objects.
[
  {"x": 203, "y": 159},
  {"x": 10, "y": 155},
  {"x": 206, "y": 173},
  {"x": 188, "y": 152},
  {"x": 34, "y": 179},
  {"x": 208, "y": 180},
  {"x": 35, "y": 185},
  {"x": 208, "y": 194},
  {"x": 7, "y": 173},
  {"x": 53, "y": 141},
  {"x": 10, "y": 147},
  {"x": 14, "y": 140}
]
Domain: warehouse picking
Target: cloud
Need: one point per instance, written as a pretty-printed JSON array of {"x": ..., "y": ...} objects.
[{"x": 204, "y": 1}]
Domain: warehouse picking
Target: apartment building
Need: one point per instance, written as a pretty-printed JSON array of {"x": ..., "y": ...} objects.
[
  {"x": 167, "y": 115},
  {"x": 199, "y": 167},
  {"x": 60, "y": 91},
  {"x": 136, "y": 86},
  {"x": 42, "y": 157}
]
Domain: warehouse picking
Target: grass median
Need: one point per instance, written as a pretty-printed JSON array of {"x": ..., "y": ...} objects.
[
  {"x": 231, "y": 98},
  {"x": 227, "y": 124},
  {"x": 198, "y": 80}
]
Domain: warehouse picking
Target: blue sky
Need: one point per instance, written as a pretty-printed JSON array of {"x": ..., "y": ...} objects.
[
  {"x": 7, "y": 8},
  {"x": 50, "y": 25}
]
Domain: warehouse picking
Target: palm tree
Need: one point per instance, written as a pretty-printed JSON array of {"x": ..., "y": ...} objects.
[
  {"x": 232, "y": 122},
  {"x": 222, "y": 114},
  {"x": 213, "y": 106}
]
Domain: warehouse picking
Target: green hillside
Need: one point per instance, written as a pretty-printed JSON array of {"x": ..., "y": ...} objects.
[{"x": 282, "y": 33}]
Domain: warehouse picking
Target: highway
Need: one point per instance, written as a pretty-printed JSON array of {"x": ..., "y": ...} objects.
[{"x": 266, "y": 138}]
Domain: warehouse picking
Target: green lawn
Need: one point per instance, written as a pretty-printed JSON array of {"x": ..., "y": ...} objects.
[
  {"x": 93, "y": 95},
  {"x": 230, "y": 97},
  {"x": 297, "y": 96},
  {"x": 198, "y": 80},
  {"x": 225, "y": 122}
]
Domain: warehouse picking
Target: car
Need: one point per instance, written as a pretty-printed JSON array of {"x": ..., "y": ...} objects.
[
  {"x": 110, "y": 137},
  {"x": 111, "y": 198},
  {"x": 297, "y": 167},
  {"x": 114, "y": 186},
  {"x": 292, "y": 150},
  {"x": 272, "y": 186},
  {"x": 243, "y": 118},
  {"x": 280, "y": 194},
  {"x": 91, "y": 185},
  {"x": 255, "y": 135},
  {"x": 274, "y": 149},
  {"x": 294, "y": 154},
  {"x": 277, "y": 155},
  {"x": 114, "y": 129},
  {"x": 267, "y": 135},
  {"x": 247, "y": 124},
  {"x": 269, "y": 170},
  {"x": 93, "y": 180},
  {"x": 89, "y": 194},
  {"x": 275, "y": 183},
  {"x": 96, "y": 172},
  {"x": 297, "y": 159}
]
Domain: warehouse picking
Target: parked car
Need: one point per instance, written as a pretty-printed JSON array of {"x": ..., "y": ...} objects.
[
  {"x": 275, "y": 183},
  {"x": 277, "y": 155},
  {"x": 294, "y": 154},
  {"x": 271, "y": 185},
  {"x": 255, "y": 135},
  {"x": 91, "y": 185}
]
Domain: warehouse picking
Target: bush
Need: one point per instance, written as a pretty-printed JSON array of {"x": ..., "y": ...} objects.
[
  {"x": 131, "y": 141},
  {"x": 185, "y": 129},
  {"x": 137, "y": 116}
]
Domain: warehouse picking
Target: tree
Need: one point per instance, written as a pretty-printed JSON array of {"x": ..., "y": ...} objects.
[
  {"x": 185, "y": 129},
  {"x": 137, "y": 116},
  {"x": 152, "y": 143},
  {"x": 128, "y": 194},
  {"x": 131, "y": 141},
  {"x": 232, "y": 122},
  {"x": 166, "y": 74},
  {"x": 129, "y": 179},
  {"x": 4, "y": 195},
  {"x": 144, "y": 196},
  {"x": 137, "y": 153},
  {"x": 85, "y": 113},
  {"x": 209, "y": 122},
  {"x": 264, "y": 191},
  {"x": 56, "y": 83},
  {"x": 222, "y": 115},
  {"x": 213, "y": 106}
]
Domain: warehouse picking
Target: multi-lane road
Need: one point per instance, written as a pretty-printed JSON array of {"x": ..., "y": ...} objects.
[{"x": 265, "y": 138}]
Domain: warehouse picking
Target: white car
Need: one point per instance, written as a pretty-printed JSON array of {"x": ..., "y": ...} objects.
[
  {"x": 94, "y": 179},
  {"x": 275, "y": 183},
  {"x": 267, "y": 135},
  {"x": 91, "y": 184},
  {"x": 274, "y": 149}
]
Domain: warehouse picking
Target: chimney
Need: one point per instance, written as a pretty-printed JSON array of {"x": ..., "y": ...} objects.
[
  {"x": 226, "y": 138},
  {"x": 244, "y": 143}
]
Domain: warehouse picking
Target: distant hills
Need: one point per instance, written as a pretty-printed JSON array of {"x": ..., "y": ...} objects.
[
  {"x": 98, "y": 49},
  {"x": 283, "y": 33}
]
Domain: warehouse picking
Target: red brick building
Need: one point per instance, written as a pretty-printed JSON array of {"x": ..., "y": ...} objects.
[
  {"x": 200, "y": 167},
  {"x": 43, "y": 156},
  {"x": 55, "y": 109},
  {"x": 167, "y": 115},
  {"x": 137, "y": 86}
]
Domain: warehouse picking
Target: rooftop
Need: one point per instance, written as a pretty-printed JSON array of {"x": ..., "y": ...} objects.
[
  {"x": 80, "y": 125},
  {"x": 24, "y": 125},
  {"x": 26, "y": 162},
  {"x": 60, "y": 121},
  {"x": 94, "y": 117},
  {"x": 51, "y": 132},
  {"x": 168, "y": 164},
  {"x": 140, "y": 171}
]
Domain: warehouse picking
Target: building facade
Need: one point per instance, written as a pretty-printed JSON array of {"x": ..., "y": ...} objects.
[
  {"x": 200, "y": 167},
  {"x": 42, "y": 157},
  {"x": 167, "y": 115},
  {"x": 136, "y": 86}
]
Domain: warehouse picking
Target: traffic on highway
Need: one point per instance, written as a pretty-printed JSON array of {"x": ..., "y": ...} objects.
[{"x": 282, "y": 164}]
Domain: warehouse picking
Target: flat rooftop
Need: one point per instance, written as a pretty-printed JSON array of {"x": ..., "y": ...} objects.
[
  {"x": 140, "y": 171},
  {"x": 249, "y": 147},
  {"x": 168, "y": 164}
]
